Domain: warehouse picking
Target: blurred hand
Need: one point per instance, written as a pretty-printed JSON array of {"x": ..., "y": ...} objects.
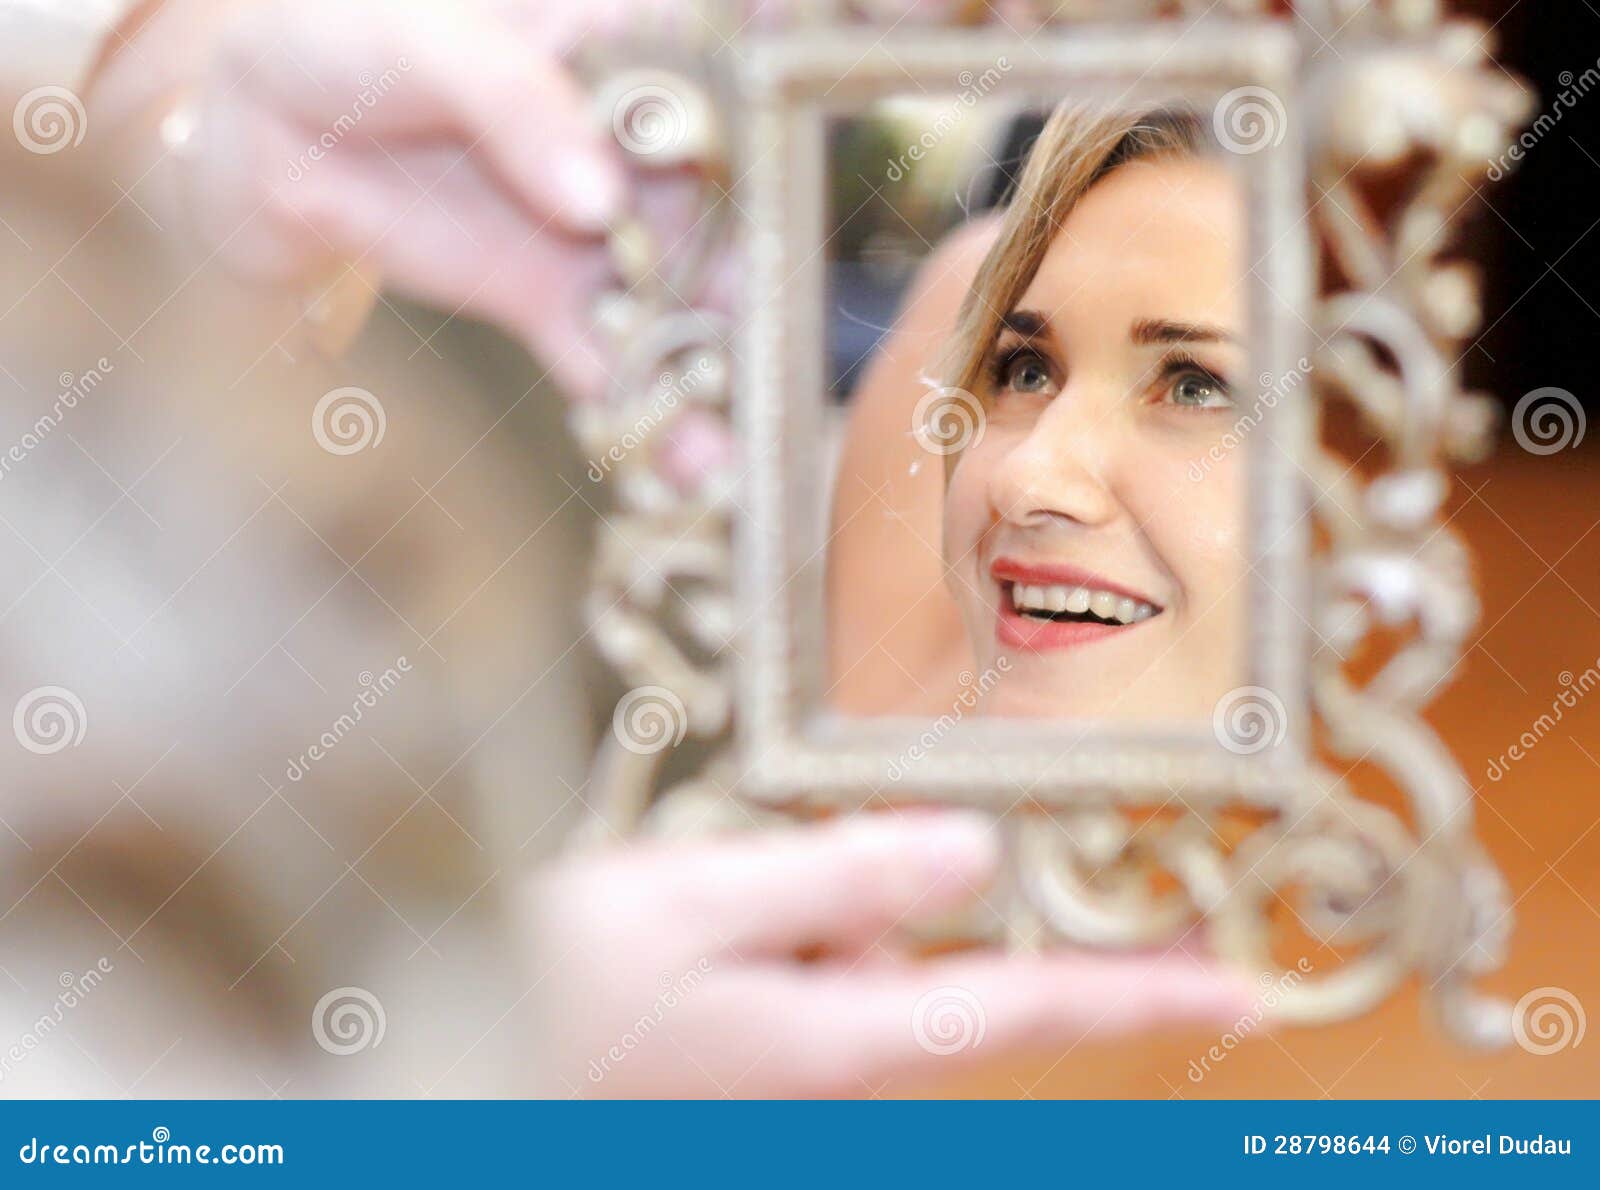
[
  {"x": 671, "y": 968},
  {"x": 446, "y": 147}
]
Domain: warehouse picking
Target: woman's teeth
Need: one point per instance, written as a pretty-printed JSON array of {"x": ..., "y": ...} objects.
[{"x": 1057, "y": 602}]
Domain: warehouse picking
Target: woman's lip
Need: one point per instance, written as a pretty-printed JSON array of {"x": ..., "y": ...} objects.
[
  {"x": 1051, "y": 574},
  {"x": 1017, "y": 631}
]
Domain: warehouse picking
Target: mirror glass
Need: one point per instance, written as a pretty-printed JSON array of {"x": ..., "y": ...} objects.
[{"x": 1040, "y": 405}]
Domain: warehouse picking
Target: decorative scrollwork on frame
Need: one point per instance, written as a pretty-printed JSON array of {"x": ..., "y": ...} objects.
[
  {"x": 1393, "y": 334},
  {"x": 1396, "y": 891}
]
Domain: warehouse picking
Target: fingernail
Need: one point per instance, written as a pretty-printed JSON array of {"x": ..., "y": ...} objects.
[{"x": 591, "y": 188}]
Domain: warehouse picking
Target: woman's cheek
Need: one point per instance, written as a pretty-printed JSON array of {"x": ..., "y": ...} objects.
[
  {"x": 1221, "y": 501},
  {"x": 1200, "y": 522},
  {"x": 965, "y": 498}
]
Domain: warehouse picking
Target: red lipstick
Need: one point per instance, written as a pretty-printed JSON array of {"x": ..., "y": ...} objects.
[{"x": 1019, "y": 631}]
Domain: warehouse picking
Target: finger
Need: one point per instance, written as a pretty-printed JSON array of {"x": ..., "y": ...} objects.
[
  {"x": 928, "y": 1020},
  {"x": 469, "y": 250},
  {"x": 540, "y": 134},
  {"x": 564, "y": 27},
  {"x": 845, "y": 883},
  {"x": 395, "y": 76},
  {"x": 437, "y": 230}
]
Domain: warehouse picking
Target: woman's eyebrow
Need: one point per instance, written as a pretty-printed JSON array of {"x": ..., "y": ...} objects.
[
  {"x": 1030, "y": 324},
  {"x": 1153, "y": 331}
]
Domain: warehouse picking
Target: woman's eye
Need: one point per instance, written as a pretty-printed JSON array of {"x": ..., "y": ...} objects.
[
  {"x": 1026, "y": 373},
  {"x": 1196, "y": 390}
]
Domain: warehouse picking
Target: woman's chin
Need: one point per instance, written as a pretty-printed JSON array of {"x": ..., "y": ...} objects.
[
  {"x": 1098, "y": 701},
  {"x": 1035, "y": 691}
]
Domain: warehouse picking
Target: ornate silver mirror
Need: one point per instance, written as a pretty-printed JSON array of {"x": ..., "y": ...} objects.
[
  {"x": 1037, "y": 608},
  {"x": 1022, "y": 492}
]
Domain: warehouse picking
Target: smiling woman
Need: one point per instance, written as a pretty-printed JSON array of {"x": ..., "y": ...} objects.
[{"x": 1095, "y": 357}]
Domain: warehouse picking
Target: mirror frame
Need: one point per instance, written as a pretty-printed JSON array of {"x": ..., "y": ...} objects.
[
  {"x": 1383, "y": 86},
  {"x": 795, "y": 750}
]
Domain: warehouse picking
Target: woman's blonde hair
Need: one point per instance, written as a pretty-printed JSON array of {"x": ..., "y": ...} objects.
[{"x": 1079, "y": 145}]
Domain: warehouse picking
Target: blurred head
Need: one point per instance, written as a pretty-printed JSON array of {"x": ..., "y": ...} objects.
[{"x": 1093, "y": 532}]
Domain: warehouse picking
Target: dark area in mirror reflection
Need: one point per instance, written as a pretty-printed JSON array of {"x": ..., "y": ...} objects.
[{"x": 1036, "y": 326}]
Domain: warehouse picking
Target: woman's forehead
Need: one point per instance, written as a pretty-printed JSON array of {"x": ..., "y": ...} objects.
[{"x": 1161, "y": 239}]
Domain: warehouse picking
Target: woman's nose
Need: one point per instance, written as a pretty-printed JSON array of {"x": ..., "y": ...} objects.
[{"x": 1059, "y": 471}]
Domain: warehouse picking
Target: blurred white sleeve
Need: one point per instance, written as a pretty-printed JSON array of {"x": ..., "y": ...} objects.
[
  {"x": 124, "y": 58},
  {"x": 55, "y": 42}
]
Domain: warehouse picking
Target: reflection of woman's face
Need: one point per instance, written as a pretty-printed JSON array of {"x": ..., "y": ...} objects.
[{"x": 1085, "y": 546}]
